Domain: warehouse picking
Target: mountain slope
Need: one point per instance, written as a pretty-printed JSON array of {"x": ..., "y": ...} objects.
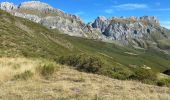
[{"x": 20, "y": 37}]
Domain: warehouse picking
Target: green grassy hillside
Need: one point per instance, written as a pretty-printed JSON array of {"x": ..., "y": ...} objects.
[
  {"x": 123, "y": 55},
  {"x": 20, "y": 37}
]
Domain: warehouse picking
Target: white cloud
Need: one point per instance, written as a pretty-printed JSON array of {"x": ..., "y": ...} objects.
[
  {"x": 79, "y": 13},
  {"x": 166, "y": 24},
  {"x": 109, "y": 11},
  {"x": 164, "y": 9},
  {"x": 131, "y": 6}
]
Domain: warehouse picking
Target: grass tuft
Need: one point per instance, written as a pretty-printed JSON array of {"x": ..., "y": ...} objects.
[
  {"x": 47, "y": 69},
  {"x": 24, "y": 76}
]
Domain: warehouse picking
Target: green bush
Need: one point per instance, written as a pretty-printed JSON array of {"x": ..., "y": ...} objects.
[
  {"x": 24, "y": 76},
  {"x": 93, "y": 64},
  {"x": 144, "y": 75},
  {"x": 164, "y": 82},
  {"x": 47, "y": 69},
  {"x": 122, "y": 75},
  {"x": 118, "y": 73},
  {"x": 83, "y": 62}
]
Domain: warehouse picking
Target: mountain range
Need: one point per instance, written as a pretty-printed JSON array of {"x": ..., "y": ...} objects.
[
  {"x": 46, "y": 53},
  {"x": 138, "y": 32}
]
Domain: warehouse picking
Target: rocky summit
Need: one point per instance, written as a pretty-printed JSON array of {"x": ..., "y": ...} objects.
[
  {"x": 121, "y": 28},
  {"x": 35, "y": 5},
  {"x": 48, "y": 16},
  {"x": 7, "y": 6},
  {"x": 137, "y": 31},
  {"x": 127, "y": 29}
]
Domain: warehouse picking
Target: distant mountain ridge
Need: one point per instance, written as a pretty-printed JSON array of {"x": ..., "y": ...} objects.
[{"x": 143, "y": 31}]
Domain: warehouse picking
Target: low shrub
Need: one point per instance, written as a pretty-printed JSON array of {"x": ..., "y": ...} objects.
[
  {"x": 83, "y": 62},
  {"x": 118, "y": 73},
  {"x": 122, "y": 75},
  {"x": 24, "y": 76},
  {"x": 144, "y": 75},
  {"x": 92, "y": 64},
  {"x": 164, "y": 82}
]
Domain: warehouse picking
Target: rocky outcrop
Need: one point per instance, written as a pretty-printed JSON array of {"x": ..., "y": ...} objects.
[
  {"x": 28, "y": 16},
  {"x": 71, "y": 27},
  {"x": 135, "y": 31},
  {"x": 119, "y": 28}
]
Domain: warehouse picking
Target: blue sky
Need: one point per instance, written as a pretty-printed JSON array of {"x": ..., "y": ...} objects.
[{"x": 88, "y": 10}]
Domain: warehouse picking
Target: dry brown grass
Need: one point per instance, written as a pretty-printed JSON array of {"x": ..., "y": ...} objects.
[
  {"x": 12, "y": 66},
  {"x": 69, "y": 84}
]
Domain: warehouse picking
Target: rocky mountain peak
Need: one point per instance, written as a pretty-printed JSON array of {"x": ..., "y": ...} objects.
[
  {"x": 101, "y": 18},
  {"x": 7, "y": 6},
  {"x": 150, "y": 19},
  {"x": 122, "y": 28},
  {"x": 132, "y": 19},
  {"x": 35, "y": 5}
]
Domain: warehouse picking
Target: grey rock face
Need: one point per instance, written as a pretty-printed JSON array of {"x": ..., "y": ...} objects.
[
  {"x": 28, "y": 16},
  {"x": 119, "y": 28},
  {"x": 135, "y": 31},
  {"x": 71, "y": 27}
]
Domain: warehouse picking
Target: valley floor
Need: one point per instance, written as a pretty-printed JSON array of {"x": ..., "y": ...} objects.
[{"x": 67, "y": 83}]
